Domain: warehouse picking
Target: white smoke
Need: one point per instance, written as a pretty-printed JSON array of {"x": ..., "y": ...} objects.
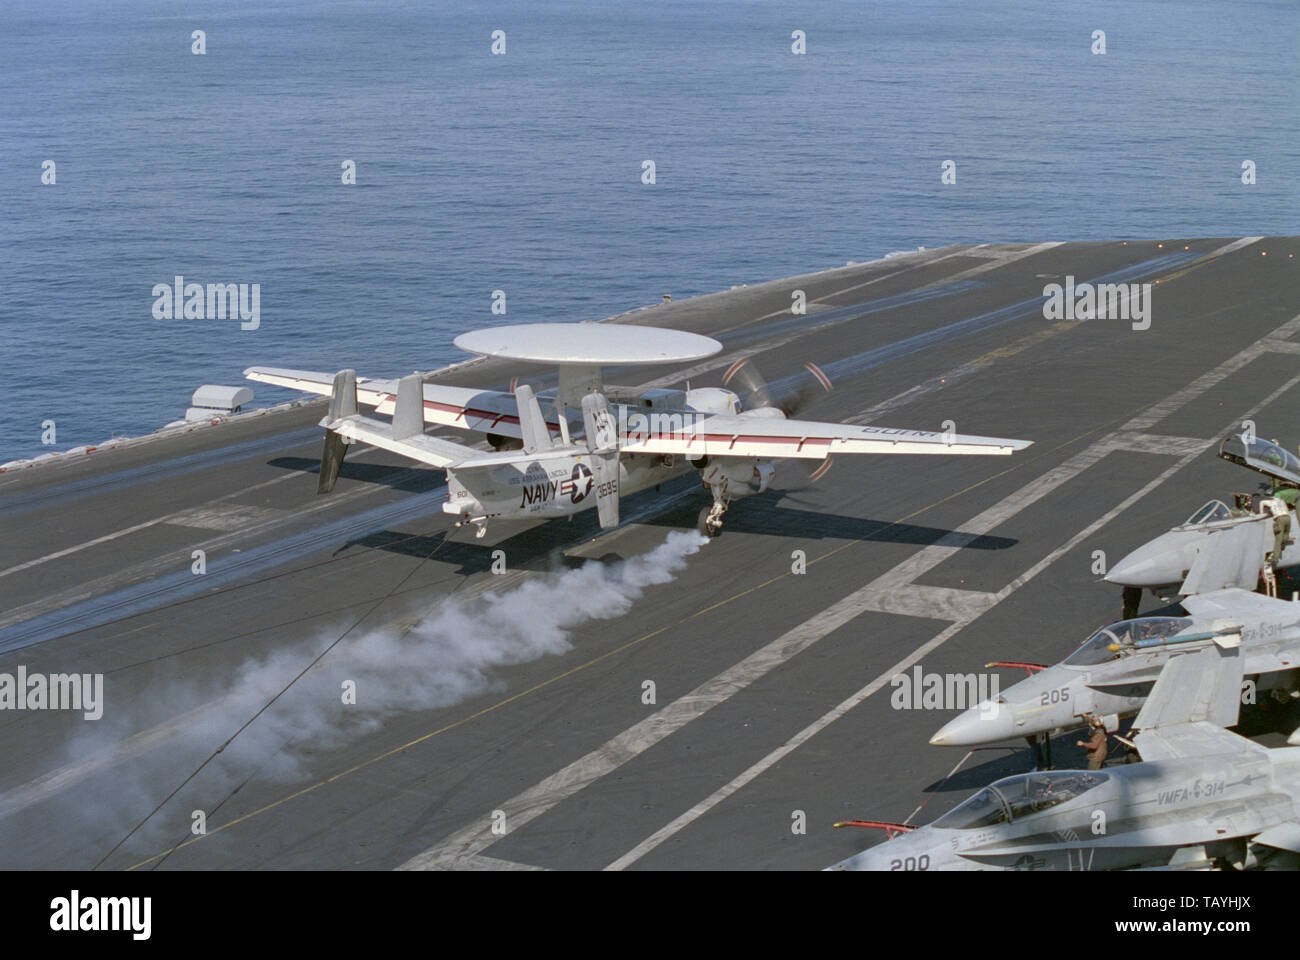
[
  {"x": 449, "y": 656},
  {"x": 146, "y": 749}
]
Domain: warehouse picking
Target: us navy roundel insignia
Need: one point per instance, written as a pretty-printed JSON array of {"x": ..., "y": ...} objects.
[{"x": 580, "y": 482}]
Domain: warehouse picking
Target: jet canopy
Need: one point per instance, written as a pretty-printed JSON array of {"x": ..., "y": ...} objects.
[
  {"x": 1120, "y": 639},
  {"x": 1211, "y": 512},
  {"x": 1014, "y": 798},
  {"x": 1268, "y": 458}
]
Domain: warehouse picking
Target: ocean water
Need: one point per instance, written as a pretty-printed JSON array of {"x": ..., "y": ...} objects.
[{"x": 522, "y": 172}]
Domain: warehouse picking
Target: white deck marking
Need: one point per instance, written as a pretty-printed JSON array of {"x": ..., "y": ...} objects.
[
  {"x": 933, "y": 603},
  {"x": 1154, "y": 443},
  {"x": 494, "y": 863},
  {"x": 537, "y": 800}
]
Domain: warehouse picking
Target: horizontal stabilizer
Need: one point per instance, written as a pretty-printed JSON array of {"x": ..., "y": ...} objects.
[{"x": 431, "y": 450}]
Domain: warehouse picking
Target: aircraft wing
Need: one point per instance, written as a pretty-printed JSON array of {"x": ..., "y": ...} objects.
[
  {"x": 1196, "y": 695},
  {"x": 1236, "y": 604},
  {"x": 1231, "y": 557},
  {"x": 487, "y": 411},
  {"x": 723, "y": 435}
]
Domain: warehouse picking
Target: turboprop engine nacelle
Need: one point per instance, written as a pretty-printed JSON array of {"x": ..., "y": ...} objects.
[
  {"x": 741, "y": 477},
  {"x": 713, "y": 400}
]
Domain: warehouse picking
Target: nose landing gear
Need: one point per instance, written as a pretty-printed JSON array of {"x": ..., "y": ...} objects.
[{"x": 710, "y": 521}]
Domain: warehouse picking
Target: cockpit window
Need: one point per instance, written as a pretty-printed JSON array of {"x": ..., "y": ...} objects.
[
  {"x": 1270, "y": 454},
  {"x": 1031, "y": 792},
  {"x": 1212, "y": 511},
  {"x": 982, "y": 810},
  {"x": 1119, "y": 639},
  {"x": 1261, "y": 455},
  {"x": 1014, "y": 798}
]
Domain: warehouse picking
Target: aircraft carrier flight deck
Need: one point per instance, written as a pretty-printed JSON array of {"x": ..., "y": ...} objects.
[{"x": 294, "y": 681}]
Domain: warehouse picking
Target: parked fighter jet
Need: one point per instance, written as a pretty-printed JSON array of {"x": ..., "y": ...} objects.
[
  {"x": 1111, "y": 673},
  {"x": 586, "y": 451},
  {"x": 1203, "y": 797},
  {"x": 1221, "y": 546}
]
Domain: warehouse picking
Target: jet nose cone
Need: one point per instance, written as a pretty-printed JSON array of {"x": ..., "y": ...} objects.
[
  {"x": 985, "y": 723},
  {"x": 1132, "y": 573},
  {"x": 1154, "y": 564}
]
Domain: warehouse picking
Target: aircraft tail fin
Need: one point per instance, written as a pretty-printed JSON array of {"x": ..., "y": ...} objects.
[
  {"x": 532, "y": 425},
  {"x": 343, "y": 403},
  {"x": 405, "y": 435},
  {"x": 602, "y": 441},
  {"x": 408, "y": 413}
]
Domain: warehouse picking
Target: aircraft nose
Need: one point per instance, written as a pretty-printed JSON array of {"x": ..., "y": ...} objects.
[
  {"x": 1153, "y": 564},
  {"x": 984, "y": 723},
  {"x": 919, "y": 851}
]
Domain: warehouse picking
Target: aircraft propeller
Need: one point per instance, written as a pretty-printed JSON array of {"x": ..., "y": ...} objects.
[{"x": 788, "y": 395}]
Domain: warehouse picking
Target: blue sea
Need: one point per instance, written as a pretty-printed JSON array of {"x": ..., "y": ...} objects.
[{"x": 522, "y": 172}]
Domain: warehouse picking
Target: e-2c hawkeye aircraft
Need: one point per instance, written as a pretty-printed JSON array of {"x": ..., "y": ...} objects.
[
  {"x": 1111, "y": 673},
  {"x": 586, "y": 451},
  {"x": 1203, "y": 798}
]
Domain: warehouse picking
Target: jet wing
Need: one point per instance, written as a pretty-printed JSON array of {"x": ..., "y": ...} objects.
[
  {"x": 1230, "y": 557},
  {"x": 487, "y": 411},
  {"x": 1195, "y": 697},
  {"x": 1192, "y": 740},
  {"x": 1284, "y": 836},
  {"x": 723, "y": 435},
  {"x": 1236, "y": 604}
]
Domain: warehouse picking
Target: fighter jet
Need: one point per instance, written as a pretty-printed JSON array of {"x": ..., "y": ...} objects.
[
  {"x": 1111, "y": 673},
  {"x": 1203, "y": 798},
  {"x": 1220, "y": 546},
  {"x": 586, "y": 451}
]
